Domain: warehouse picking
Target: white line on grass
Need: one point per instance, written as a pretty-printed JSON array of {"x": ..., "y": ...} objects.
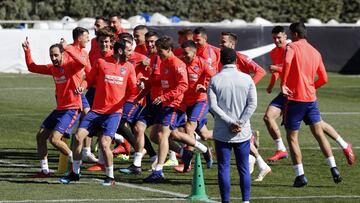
[
  {"x": 26, "y": 88},
  {"x": 95, "y": 200},
  {"x": 302, "y": 197}
]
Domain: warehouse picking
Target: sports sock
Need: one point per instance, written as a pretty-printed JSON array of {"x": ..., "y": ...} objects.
[
  {"x": 261, "y": 163},
  {"x": 331, "y": 161},
  {"x": 76, "y": 166},
  {"x": 109, "y": 171},
  {"x": 172, "y": 155},
  {"x": 119, "y": 138},
  {"x": 341, "y": 142},
  {"x": 159, "y": 167},
  {"x": 280, "y": 145},
  {"x": 44, "y": 166},
  {"x": 199, "y": 146},
  {"x": 70, "y": 157},
  {"x": 86, "y": 151},
  {"x": 137, "y": 159},
  {"x": 299, "y": 169}
]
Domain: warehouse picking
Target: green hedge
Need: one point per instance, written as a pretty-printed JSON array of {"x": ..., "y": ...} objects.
[{"x": 346, "y": 11}]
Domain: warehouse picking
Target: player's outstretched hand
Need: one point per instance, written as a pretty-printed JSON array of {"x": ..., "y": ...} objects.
[{"x": 26, "y": 44}]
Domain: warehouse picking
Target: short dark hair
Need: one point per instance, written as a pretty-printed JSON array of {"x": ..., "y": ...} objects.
[
  {"x": 126, "y": 35},
  {"x": 141, "y": 27},
  {"x": 277, "y": 29},
  {"x": 121, "y": 44},
  {"x": 105, "y": 32},
  {"x": 151, "y": 33},
  {"x": 200, "y": 30},
  {"x": 232, "y": 36},
  {"x": 61, "y": 48},
  {"x": 114, "y": 15},
  {"x": 299, "y": 28},
  {"x": 164, "y": 42},
  {"x": 188, "y": 43},
  {"x": 227, "y": 56},
  {"x": 185, "y": 32},
  {"x": 101, "y": 18},
  {"x": 78, "y": 31}
]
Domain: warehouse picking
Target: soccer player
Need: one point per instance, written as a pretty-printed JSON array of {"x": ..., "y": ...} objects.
[
  {"x": 195, "y": 99},
  {"x": 276, "y": 106},
  {"x": 115, "y": 24},
  {"x": 183, "y": 35},
  {"x": 100, "y": 23},
  {"x": 132, "y": 108},
  {"x": 150, "y": 115},
  {"x": 206, "y": 51},
  {"x": 174, "y": 82},
  {"x": 233, "y": 100},
  {"x": 113, "y": 76},
  {"x": 139, "y": 37},
  {"x": 67, "y": 74},
  {"x": 246, "y": 65},
  {"x": 302, "y": 63},
  {"x": 105, "y": 40},
  {"x": 77, "y": 51}
]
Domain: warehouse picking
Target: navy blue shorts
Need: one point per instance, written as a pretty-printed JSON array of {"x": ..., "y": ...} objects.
[
  {"x": 151, "y": 114},
  {"x": 173, "y": 117},
  {"x": 90, "y": 94},
  {"x": 279, "y": 101},
  {"x": 85, "y": 102},
  {"x": 197, "y": 113},
  {"x": 295, "y": 112},
  {"x": 61, "y": 120},
  {"x": 108, "y": 123},
  {"x": 131, "y": 112}
]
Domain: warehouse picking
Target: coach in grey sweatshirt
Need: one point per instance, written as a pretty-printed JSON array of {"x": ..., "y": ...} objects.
[{"x": 233, "y": 100}]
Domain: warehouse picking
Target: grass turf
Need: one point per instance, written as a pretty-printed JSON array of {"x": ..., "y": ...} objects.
[{"x": 25, "y": 100}]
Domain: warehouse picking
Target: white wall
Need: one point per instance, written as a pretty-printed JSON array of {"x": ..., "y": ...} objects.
[{"x": 12, "y": 59}]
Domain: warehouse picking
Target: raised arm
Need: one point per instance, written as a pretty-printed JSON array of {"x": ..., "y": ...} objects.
[{"x": 32, "y": 67}]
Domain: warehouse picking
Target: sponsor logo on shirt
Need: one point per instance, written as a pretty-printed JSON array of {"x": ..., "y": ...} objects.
[
  {"x": 60, "y": 80},
  {"x": 193, "y": 77},
  {"x": 117, "y": 80},
  {"x": 165, "y": 84}
]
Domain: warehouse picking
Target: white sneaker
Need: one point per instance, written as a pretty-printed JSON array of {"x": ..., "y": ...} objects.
[
  {"x": 252, "y": 161},
  {"x": 171, "y": 162},
  {"x": 90, "y": 158},
  {"x": 262, "y": 174}
]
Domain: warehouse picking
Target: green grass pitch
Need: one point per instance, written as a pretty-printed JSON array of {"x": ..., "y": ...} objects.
[{"x": 25, "y": 100}]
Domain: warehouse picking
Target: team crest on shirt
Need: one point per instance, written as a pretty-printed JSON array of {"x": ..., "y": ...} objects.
[
  {"x": 166, "y": 71},
  {"x": 196, "y": 68},
  {"x": 61, "y": 69},
  {"x": 123, "y": 70}
]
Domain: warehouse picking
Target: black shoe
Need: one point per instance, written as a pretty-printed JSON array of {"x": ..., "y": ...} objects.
[
  {"x": 108, "y": 181},
  {"x": 336, "y": 175},
  {"x": 300, "y": 181},
  {"x": 132, "y": 169},
  {"x": 186, "y": 158},
  {"x": 71, "y": 177}
]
